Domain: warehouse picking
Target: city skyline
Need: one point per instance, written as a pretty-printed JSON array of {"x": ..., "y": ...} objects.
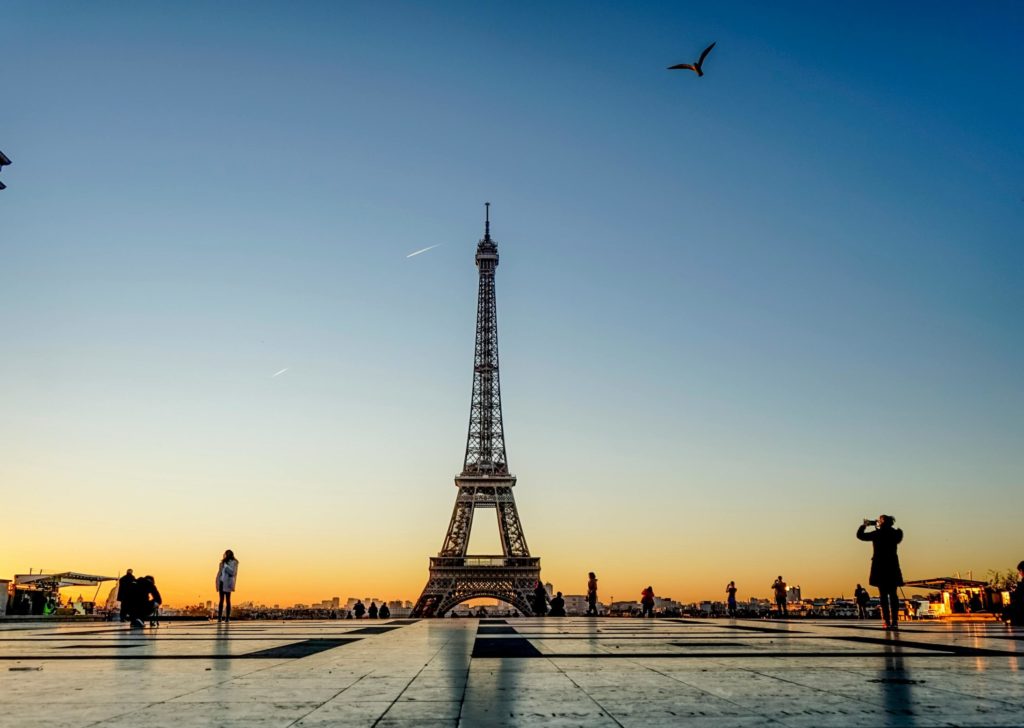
[{"x": 738, "y": 313}]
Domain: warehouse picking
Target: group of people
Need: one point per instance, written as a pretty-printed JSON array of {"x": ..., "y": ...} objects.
[
  {"x": 541, "y": 602},
  {"x": 543, "y": 605},
  {"x": 374, "y": 612},
  {"x": 140, "y": 600}
]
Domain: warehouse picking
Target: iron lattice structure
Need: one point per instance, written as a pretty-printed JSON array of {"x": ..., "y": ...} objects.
[{"x": 485, "y": 481}]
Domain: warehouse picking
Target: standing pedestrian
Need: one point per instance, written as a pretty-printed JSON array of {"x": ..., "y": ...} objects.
[
  {"x": 647, "y": 602},
  {"x": 126, "y": 594},
  {"x": 731, "y": 602},
  {"x": 885, "y": 565},
  {"x": 592, "y": 595},
  {"x": 860, "y": 594},
  {"x": 780, "y": 596},
  {"x": 227, "y": 574},
  {"x": 540, "y": 599}
]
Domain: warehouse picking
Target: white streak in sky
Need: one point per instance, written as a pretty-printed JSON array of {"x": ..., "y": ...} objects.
[
  {"x": 424, "y": 250},
  {"x": 280, "y": 372}
]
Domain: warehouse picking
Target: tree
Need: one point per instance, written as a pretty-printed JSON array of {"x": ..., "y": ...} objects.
[{"x": 1003, "y": 580}]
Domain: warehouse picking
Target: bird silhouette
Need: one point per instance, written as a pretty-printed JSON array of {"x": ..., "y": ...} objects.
[{"x": 697, "y": 67}]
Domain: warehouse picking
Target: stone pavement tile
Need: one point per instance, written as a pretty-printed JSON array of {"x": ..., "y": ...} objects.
[
  {"x": 668, "y": 711},
  {"x": 336, "y": 713},
  {"x": 203, "y": 715},
  {"x": 284, "y": 691},
  {"x": 565, "y": 712},
  {"x": 63, "y": 715},
  {"x": 373, "y": 689},
  {"x": 432, "y": 693},
  {"x": 425, "y": 710},
  {"x": 985, "y": 719},
  {"x": 626, "y": 692}
]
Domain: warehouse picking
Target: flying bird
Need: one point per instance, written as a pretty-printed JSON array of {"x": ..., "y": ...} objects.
[
  {"x": 279, "y": 373},
  {"x": 697, "y": 67},
  {"x": 424, "y": 250}
]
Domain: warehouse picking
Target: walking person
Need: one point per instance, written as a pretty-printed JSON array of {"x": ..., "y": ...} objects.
[
  {"x": 861, "y": 596},
  {"x": 647, "y": 602},
  {"x": 227, "y": 574},
  {"x": 731, "y": 601},
  {"x": 592, "y": 595},
  {"x": 885, "y": 565},
  {"x": 126, "y": 594},
  {"x": 780, "y": 596}
]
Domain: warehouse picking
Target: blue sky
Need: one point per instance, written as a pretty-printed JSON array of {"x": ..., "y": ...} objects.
[{"x": 789, "y": 288}]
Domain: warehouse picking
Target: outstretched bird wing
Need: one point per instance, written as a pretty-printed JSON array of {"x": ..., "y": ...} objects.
[
  {"x": 687, "y": 66},
  {"x": 705, "y": 53}
]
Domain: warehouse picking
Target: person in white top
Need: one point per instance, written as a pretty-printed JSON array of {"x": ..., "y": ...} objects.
[{"x": 227, "y": 574}]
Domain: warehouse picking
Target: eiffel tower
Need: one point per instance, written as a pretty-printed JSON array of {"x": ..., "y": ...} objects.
[{"x": 484, "y": 482}]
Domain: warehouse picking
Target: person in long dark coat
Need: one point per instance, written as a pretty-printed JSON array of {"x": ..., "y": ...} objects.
[
  {"x": 540, "y": 600},
  {"x": 126, "y": 595},
  {"x": 885, "y": 566},
  {"x": 1014, "y": 613}
]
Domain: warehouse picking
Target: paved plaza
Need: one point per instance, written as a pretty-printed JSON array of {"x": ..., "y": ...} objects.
[{"x": 573, "y": 671}]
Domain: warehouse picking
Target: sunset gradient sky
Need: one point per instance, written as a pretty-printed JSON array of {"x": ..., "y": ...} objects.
[{"x": 737, "y": 313}]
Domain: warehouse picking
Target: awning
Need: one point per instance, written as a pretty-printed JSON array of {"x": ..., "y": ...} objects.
[
  {"x": 60, "y": 580},
  {"x": 944, "y": 583}
]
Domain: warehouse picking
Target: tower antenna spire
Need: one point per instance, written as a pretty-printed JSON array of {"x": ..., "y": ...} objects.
[{"x": 487, "y": 220}]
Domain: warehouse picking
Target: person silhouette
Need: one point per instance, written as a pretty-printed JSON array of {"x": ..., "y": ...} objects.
[
  {"x": 385, "y": 611},
  {"x": 359, "y": 609},
  {"x": 885, "y": 565},
  {"x": 647, "y": 602},
  {"x": 227, "y": 574},
  {"x": 558, "y": 605},
  {"x": 147, "y": 602},
  {"x": 540, "y": 600},
  {"x": 861, "y": 596},
  {"x": 731, "y": 601},
  {"x": 126, "y": 594},
  {"x": 1013, "y": 614},
  {"x": 779, "y": 587},
  {"x": 373, "y": 610},
  {"x": 591, "y": 595}
]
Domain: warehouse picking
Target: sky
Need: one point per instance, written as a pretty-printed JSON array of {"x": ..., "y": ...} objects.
[{"x": 737, "y": 314}]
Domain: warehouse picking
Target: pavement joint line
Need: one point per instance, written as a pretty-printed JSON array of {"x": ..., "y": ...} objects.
[
  {"x": 412, "y": 680},
  {"x": 596, "y": 702},
  {"x": 359, "y": 679},
  {"x": 743, "y": 708}
]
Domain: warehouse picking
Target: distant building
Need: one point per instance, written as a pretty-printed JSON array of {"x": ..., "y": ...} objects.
[
  {"x": 575, "y": 604},
  {"x": 793, "y": 594}
]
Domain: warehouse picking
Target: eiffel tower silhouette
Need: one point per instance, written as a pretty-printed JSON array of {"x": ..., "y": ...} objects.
[{"x": 484, "y": 483}]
